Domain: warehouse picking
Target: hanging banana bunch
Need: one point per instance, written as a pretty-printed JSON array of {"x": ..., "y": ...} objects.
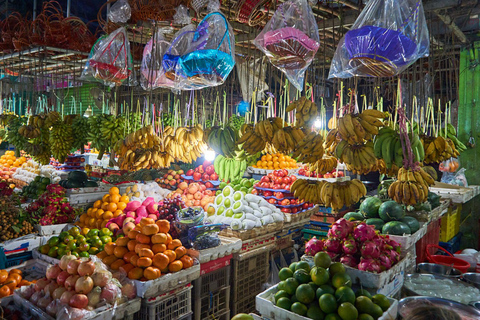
[{"x": 185, "y": 144}]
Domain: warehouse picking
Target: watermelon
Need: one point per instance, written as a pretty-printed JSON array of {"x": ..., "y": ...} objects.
[
  {"x": 79, "y": 176},
  {"x": 90, "y": 184},
  {"x": 396, "y": 228},
  {"x": 353, "y": 216},
  {"x": 377, "y": 222},
  {"x": 391, "y": 211},
  {"x": 369, "y": 207},
  {"x": 412, "y": 223}
]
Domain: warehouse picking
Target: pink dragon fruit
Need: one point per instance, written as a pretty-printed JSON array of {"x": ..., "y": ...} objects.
[
  {"x": 349, "y": 260},
  {"x": 334, "y": 256},
  {"x": 333, "y": 245},
  {"x": 349, "y": 246},
  {"x": 392, "y": 244},
  {"x": 56, "y": 189},
  {"x": 340, "y": 229},
  {"x": 313, "y": 246},
  {"x": 66, "y": 208},
  {"x": 363, "y": 232},
  {"x": 370, "y": 250},
  {"x": 385, "y": 261},
  {"x": 394, "y": 256},
  {"x": 370, "y": 265}
]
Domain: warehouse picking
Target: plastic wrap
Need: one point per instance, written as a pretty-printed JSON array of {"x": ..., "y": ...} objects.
[
  {"x": 457, "y": 178},
  {"x": 110, "y": 61},
  {"x": 204, "y": 236},
  {"x": 120, "y": 12},
  {"x": 188, "y": 218},
  {"x": 152, "y": 74},
  {"x": 387, "y": 37},
  {"x": 206, "y": 56},
  {"x": 251, "y": 74},
  {"x": 181, "y": 15},
  {"x": 450, "y": 165},
  {"x": 290, "y": 40}
]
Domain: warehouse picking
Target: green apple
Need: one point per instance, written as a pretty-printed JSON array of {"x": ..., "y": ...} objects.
[
  {"x": 229, "y": 213},
  {"x": 220, "y": 210},
  {"x": 227, "y": 202},
  {"x": 219, "y": 200}
]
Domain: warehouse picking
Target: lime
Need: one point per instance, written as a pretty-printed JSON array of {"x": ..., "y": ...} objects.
[
  {"x": 322, "y": 259},
  {"x": 299, "y": 308},
  {"x": 335, "y": 268},
  {"x": 376, "y": 312},
  {"x": 81, "y": 239},
  {"x": 68, "y": 239},
  {"x": 382, "y": 301},
  {"x": 281, "y": 286},
  {"x": 341, "y": 280},
  {"x": 365, "y": 316},
  {"x": 284, "y": 303},
  {"x": 319, "y": 276},
  {"x": 314, "y": 312},
  {"x": 328, "y": 303},
  {"x": 53, "y": 241},
  {"x": 75, "y": 253},
  {"x": 291, "y": 285},
  {"x": 314, "y": 286},
  {"x": 294, "y": 299},
  {"x": 332, "y": 316},
  {"x": 93, "y": 250},
  {"x": 84, "y": 247},
  {"x": 44, "y": 249},
  {"x": 363, "y": 304},
  {"x": 72, "y": 245},
  {"x": 325, "y": 288},
  {"x": 53, "y": 252},
  {"x": 106, "y": 239},
  {"x": 75, "y": 231},
  {"x": 105, "y": 232},
  {"x": 363, "y": 292},
  {"x": 61, "y": 252},
  {"x": 83, "y": 254},
  {"x": 345, "y": 294},
  {"x": 62, "y": 245},
  {"x": 62, "y": 235},
  {"x": 281, "y": 294},
  {"x": 92, "y": 233},
  {"x": 302, "y": 265},
  {"x": 347, "y": 311},
  {"x": 302, "y": 276},
  {"x": 97, "y": 243},
  {"x": 292, "y": 266},
  {"x": 305, "y": 293}
]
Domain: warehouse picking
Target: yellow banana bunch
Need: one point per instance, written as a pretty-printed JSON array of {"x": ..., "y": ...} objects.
[
  {"x": 307, "y": 190},
  {"x": 439, "y": 149},
  {"x": 382, "y": 168},
  {"x": 184, "y": 144},
  {"x": 324, "y": 165},
  {"x": 29, "y": 131},
  {"x": 340, "y": 194},
  {"x": 411, "y": 186},
  {"x": 306, "y": 111},
  {"x": 310, "y": 149},
  {"x": 359, "y": 158}
]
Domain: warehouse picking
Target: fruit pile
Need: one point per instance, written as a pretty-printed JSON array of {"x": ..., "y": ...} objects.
[
  {"x": 358, "y": 246},
  {"x": 111, "y": 206},
  {"x": 325, "y": 292},
  {"x": 8, "y": 160},
  {"x": 74, "y": 287},
  {"x": 170, "y": 179},
  {"x": 195, "y": 194},
  {"x": 276, "y": 161},
  {"x": 245, "y": 185},
  {"x": 229, "y": 169},
  {"x": 13, "y": 223},
  {"x": 314, "y": 174},
  {"x": 36, "y": 188},
  {"x": 204, "y": 172},
  {"x": 78, "y": 243},
  {"x": 7, "y": 174},
  {"x": 52, "y": 207},
  {"x": 411, "y": 186},
  {"x": 147, "y": 251},
  {"x": 141, "y": 191},
  {"x": 11, "y": 280},
  {"x": 168, "y": 209}
]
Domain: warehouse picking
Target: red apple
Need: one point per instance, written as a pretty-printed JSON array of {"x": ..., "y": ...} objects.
[
  {"x": 305, "y": 205},
  {"x": 264, "y": 185},
  {"x": 292, "y": 179},
  {"x": 294, "y": 210},
  {"x": 190, "y": 172},
  {"x": 340, "y": 174},
  {"x": 307, "y": 173},
  {"x": 293, "y": 201},
  {"x": 173, "y": 182},
  {"x": 319, "y": 175},
  {"x": 328, "y": 175},
  {"x": 313, "y": 174},
  {"x": 265, "y": 179},
  {"x": 277, "y": 187},
  {"x": 279, "y": 195},
  {"x": 200, "y": 169},
  {"x": 197, "y": 176},
  {"x": 209, "y": 184},
  {"x": 278, "y": 180},
  {"x": 254, "y": 191},
  {"x": 272, "y": 201},
  {"x": 285, "y": 172},
  {"x": 283, "y": 185},
  {"x": 209, "y": 169},
  {"x": 287, "y": 180},
  {"x": 268, "y": 193},
  {"x": 301, "y": 172},
  {"x": 271, "y": 176},
  {"x": 287, "y": 187},
  {"x": 287, "y": 210},
  {"x": 285, "y": 202},
  {"x": 214, "y": 176},
  {"x": 205, "y": 177},
  {"x": 206, "y": 163}
]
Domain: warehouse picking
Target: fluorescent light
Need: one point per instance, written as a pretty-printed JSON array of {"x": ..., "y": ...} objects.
[
  {"x": 318, "y": 123},
  {"x": 210, "y": 155}
]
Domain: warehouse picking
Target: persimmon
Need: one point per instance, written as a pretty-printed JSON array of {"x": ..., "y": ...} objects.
[
  {"x": 119, "y": 252},
  {"x": 24, "y": 283},
  {"x": 134, "y": 259},
  {"x": 122, "y": 241},
  {"x": 151, "y": 273},
  {"x": 187, "y": 261},
  {"x": 5, "y": 291},
  {"x": 161, "y": 261},
  {"x": 174, "y": 244},
  {"x": 180, "y": 251},
  {"x": 146, "y": 252},
  {"x": 117, "y": 264},
  {"x": 141, "y": 246},
  {"x": 102, "y": 254},
  {"x": 144, "y": 262},
  {"x": 169, "y": 238},
  {"x": 109, "y": 248},
  {"x": 131, "y": 245},
  {"x": 135, "y": 273},
  {"x": 127, "y": 256},
  {"x": 175, "y": 266},
  {"x": 16, "y": 276},
  {"x": 3, "y": 275},
  {"x": 146, "y": 221},
  {"x": 150, "y": 229},
  {"x": 159, "y": 248},
  {"x": 132, "y": 234},
  {"x": 11, "y": 283},
  {"x": 159, "y": 238},
  {"x": 126, "y": 267},
  {"x": 142, "y": 238},
  {"x": 15, "y": 271},
  {"x": 109, "y": 260},
  {"x": 163, "y": 225},
  {"x": 170, "y": 254}
]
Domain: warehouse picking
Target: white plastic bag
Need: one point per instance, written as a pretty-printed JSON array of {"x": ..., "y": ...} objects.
[{"x": 120, "y": 12}]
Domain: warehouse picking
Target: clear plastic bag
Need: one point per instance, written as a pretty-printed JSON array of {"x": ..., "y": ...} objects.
[
  {"x": 387, "y": 37},
  {"x": 450, "y": 165},
  {"x": 457, "y": 178},
  {"x": 110, "y": 61},
  {"x": 204, "y": 236},
  {"x": 290, "y": 40},
  {"x": 207, "y": 56},
  {"x": 120, "y": 12},
  {"x": 181, "y": 15}
]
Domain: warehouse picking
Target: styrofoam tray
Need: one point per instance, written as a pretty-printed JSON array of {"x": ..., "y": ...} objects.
[
  {"x": 267, "y": 171},
  {"x": 33, "y": 269},
  {"x": 152, "y": 288},
  {"x": 37, "y": 255},
  {"x": 54, "y": 229},
  {"x": 101, "y": 188},
  {"x": 410, "y": 240},
  {"x": 228, "y": 246},
  {"x": 340, "y": 179},
  {"x": 265, "y": 305},
  {"x": 21, "y": 244}
]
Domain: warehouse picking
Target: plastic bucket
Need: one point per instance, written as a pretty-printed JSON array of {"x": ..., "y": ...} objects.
[{"x": 449, "y": 260}]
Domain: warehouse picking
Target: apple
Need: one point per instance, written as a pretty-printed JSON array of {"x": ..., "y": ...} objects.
[
  {"x": 190, "y": 172},
  {"x": 205, "y": 177},
  {"x": 281, "y": 173},
  {"x": 319, "y": 175},
  {"x": 287, "y": 180},
  {"x": 294, "y": 210},
  {"x": 254, "y": 191},
  {"x": 272, "y": 201},
  {"x": 200, "y": 169},
  {"x": 197, "y": 176},
  {"x": 305, "y": 205},
  {"x": 287, "y": 187},
  {"x": 180, "y": 172},
  {"x": 340, "y": 174},
  {"x": 285, "y": 202},
  {"x": 301, "y": 172},
  {"x": 313, "y": 174},
  {"x": 214, "y": 176},
  {"x": 209, "y": 169},
  {"x": 279, "y": 195},
  {"x": 283, "y": 185},
  {"x": 293, "y": 201},
  {"x": 209, "y": 185},
  {"x": 285, "y": 172},
  {"x": 176, "y": 177},
  {"x": 292, "y": 179},
  {"x": 169, "y": 177},
  {"x": 271, "y": 176},
  {"x": 268, "y": 193},
  {"x": 173, "y": 182},
  {"x": 310, "y": 205},
  {"x": 328, "y": 175},
  {"x": 265, "y": 179},
  {"x": 286, "y": 210}
]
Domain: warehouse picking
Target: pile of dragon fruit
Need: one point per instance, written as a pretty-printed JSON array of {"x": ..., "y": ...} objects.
[
  {"x": 357, "y": 245},
  {"x": 52, "y": 207}
]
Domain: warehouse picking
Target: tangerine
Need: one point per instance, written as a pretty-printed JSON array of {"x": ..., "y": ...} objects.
[{"x": 175, "y": 266}]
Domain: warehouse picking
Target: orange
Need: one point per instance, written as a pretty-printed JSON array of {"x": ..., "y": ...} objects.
[
  {"x": 101, "y": 255},
  {"x": 131, "y": 245},
  {"x": 16, "y": 276},
  {"x": 109, "y": 260},
  {"x": 119, "y": 252},
  {"x": 103, "y": 224},
  {"x": 170, "y": 254},
  {"x": 135, "y": 273},
  {"x": 180, "y": 251},
  {"x": 141, "y": 246},
  {"x": 122, "y": 241},
  {"x": 99, "y": 213},
  {"x": 264, "y": 158},
  {"x": 150, "y": 229},
  {"x": 132, "y": 234},
  {"x": 142, "y": 238},
  {"x": 174, "y": 244},
  {"x": 169, "y": 238},
  {"x": 110, "y": 247},
  {"x": 163, "y": 225},
  {"x": 84, "y": 216},
  {"x": 128, "y": 256},
  {"x": 98, "y": 224},
  {"x": 268, "y": 157},
  {"x": 144, "y": 262},
  {"x": 161, "y": 261},
  {"x": 115, "y": 198},
  {"x": 159, "y": 247},
  {"x": 117, "y": 213},
  {"x": 134, "y": 259},
  {"x": 145, "y": 252},
  {"x": 112, "y": 207},
  {"x": 24, "y": 283},
  {"x": 121, "y": 205},
  {"x": 97, "y": 204},
  {"x": 3, "y": 275},
  {"x": 126, "y": 267},
  {"x": 5, "y": 291},
  {"x": 264, "y": 164},
  {"x": 187, "y": 261},
  {"x": 114, "y": 190},
  {"x": 107, "y": 215},
  {"x": 146, "y": 221},
  {"x": 151, "y": 273},
  {"x": 15, "y": 271},
  {"x": 175, "y": 266},
  {"x": 125, "y": 199},
  {"x": 105, "y": 206},
  {"x": 159, "y": 238},
  {"x": 259, "y": 163},
  {"x": 92, "y": 222},
  {"x": 106, "y": 198},
  {"x": 117, "y": 264}
]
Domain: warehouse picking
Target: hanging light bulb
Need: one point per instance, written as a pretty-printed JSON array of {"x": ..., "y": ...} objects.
[
  {"x": 210, "y": 155},
  {"x": 318, "y": 123}
]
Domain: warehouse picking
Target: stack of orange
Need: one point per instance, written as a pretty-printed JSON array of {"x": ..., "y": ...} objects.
[
  {"x": 276, "y": 161},
  {"x": 111, "y": 206},
  {"x": 9, "y": 160},
  {"x": 11, "y": 280},
  {"x": 146, "y": 252}
]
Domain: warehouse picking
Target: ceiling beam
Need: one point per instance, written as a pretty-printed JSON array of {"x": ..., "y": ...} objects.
[{"x": 452, "y": 26}]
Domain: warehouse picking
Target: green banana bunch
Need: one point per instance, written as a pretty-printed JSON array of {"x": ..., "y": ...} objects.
[
  {"x": 40, "y": 148},
  {"x": 224, "y": 141},
  {"x": 167, "y": 119},
  {"x": 236, "y": 122},
  {"x": 61, "y": 140},
  {"x": 13, "y": 136},
  {"x": 387, "y": 146},
  {"x": 80, "y": 127},
  {"x": 229, "y": 169},
  {"x": 452, "y": 134}
]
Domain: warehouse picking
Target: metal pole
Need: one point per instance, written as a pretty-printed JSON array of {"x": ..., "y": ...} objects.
[
  {"x": 68, "y": 7},
  {"x": 34, "y": 9}
]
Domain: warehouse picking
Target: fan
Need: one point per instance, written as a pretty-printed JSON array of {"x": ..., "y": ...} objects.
[{"x": 99, "y": 97}]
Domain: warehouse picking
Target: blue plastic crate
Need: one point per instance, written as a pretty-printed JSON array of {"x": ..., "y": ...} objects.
[
  {"x": 453, "y": 245},
  {"x": 15, "y": 260}
]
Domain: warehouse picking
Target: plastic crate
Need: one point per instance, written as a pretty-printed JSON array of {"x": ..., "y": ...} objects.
[
  {"x": 212, "y": 282},
  {"x": 250, "y": 272},
  {"x": 453, "y": 245},
  {"x": 431, "y": 237},
  {"x": 214, "y": 305},
  {"x": 15, "y": 259},
  {"x": 309, "y": 233},
  {"x": 172, "y": 305},
  {"x": 451, "y": 223}
]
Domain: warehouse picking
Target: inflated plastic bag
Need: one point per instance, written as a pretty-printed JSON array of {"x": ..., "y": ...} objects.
[
  {"x": 110, "y": 60},
  {"x": 290, "y": 40},
  {"x": 120, "y": 12},
  {"x": 206, "y": 56},
  {"x": 388, "y": 36},
  {"x": 152, "y": 74}
]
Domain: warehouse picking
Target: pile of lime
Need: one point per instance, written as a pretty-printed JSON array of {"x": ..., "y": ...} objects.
[
  {"x": 80, "y": 243},
  {"x": 324, "y": 292}
]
